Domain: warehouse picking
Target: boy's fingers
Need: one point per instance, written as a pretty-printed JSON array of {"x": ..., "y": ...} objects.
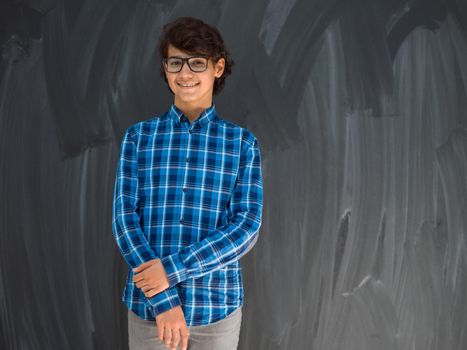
[
  {"x": 138, "y": 270},
  {"x": 167, "y": 336},
  {"x": 137, "y": 278},
  {"x": 142, "y": 266},
  {"x": 144, "y": 288},
  {"x": 160, "y": 333},
  {"x": 150, "y": 292},
  {"x": 176, "y": 338},
  {"x": 138, "y": 281},
  {"x": 185, "y": 334}
]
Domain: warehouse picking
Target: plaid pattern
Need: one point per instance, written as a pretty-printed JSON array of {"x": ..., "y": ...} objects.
[{"x": 190, "y": 194}]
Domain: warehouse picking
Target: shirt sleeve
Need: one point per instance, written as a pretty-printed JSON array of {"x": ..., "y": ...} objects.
[
  {"x": 230, "y": 242},
  {"x": 130, "y": 239}
]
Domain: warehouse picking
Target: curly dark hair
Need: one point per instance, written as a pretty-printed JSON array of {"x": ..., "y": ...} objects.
[{"x": 194, "y": 36}]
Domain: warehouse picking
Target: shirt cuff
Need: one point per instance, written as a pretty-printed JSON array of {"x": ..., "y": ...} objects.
[
  {"x": 174, "y": 268},
  {"x": 164, "y": 301}
]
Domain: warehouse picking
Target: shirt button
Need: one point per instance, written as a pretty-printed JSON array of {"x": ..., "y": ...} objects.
[
  {"x": 187, "y": 159},
  {"x": 184, "y": 189},
  {"x": 181, "y": 221}
]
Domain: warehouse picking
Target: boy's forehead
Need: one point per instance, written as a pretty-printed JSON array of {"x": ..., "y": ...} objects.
[{"x": 173, "y": 51}]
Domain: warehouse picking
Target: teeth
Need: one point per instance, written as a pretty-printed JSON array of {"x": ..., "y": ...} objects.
[{"x": 187, "y": 85}]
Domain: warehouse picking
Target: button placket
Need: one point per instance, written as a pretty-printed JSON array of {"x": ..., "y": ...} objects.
[{"x": 184, "y": 188}]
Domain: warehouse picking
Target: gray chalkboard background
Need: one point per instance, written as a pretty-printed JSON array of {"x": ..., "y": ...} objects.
[{"x": 360, "y": 107}]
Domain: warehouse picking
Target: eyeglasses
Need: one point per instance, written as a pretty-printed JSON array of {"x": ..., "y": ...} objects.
[{"x": 195, "y": 63}]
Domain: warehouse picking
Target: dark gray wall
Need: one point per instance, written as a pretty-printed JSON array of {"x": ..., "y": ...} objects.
[{"x": 360, "y": 107}]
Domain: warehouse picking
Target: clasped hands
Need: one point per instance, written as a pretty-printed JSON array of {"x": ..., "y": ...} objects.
[{"x": 151, "y": 277}]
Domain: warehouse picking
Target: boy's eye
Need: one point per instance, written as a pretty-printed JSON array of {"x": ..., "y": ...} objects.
[
  {"x": 197, "y": 62},
  {"x": 175, "y": 63}
]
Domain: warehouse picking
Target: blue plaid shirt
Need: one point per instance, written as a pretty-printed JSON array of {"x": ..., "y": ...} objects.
[{"x": 190, "y": 194}]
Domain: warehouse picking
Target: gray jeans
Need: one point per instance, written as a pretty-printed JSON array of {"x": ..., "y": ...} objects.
[{"x": 221, "y": 335}]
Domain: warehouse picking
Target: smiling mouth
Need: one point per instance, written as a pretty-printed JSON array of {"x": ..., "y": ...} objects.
[{"x": 187, "y": 86}]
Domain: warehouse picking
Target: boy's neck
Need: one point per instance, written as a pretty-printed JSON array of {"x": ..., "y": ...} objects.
[{"x": 192, "y": 111}]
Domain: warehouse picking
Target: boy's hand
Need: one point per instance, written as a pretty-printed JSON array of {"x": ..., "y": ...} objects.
[
  {"x": 171, "y": 325},
  {"x": 151, "y": 278}
]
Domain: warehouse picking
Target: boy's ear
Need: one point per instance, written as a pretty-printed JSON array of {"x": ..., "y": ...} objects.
[{"x": 220, "y": 67}]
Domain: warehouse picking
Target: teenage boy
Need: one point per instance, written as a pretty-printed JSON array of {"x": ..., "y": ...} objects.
[{"x": 187, "y": 203}]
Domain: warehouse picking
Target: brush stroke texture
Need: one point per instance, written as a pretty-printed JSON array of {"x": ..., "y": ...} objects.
[{"x": 361, "y": 112}]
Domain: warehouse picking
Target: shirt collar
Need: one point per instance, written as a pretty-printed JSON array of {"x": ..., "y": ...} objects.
[{"x": 205, "y": 117}]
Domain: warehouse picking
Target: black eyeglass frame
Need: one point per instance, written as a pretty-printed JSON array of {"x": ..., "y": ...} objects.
[{"x": 186, "y": 60}]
